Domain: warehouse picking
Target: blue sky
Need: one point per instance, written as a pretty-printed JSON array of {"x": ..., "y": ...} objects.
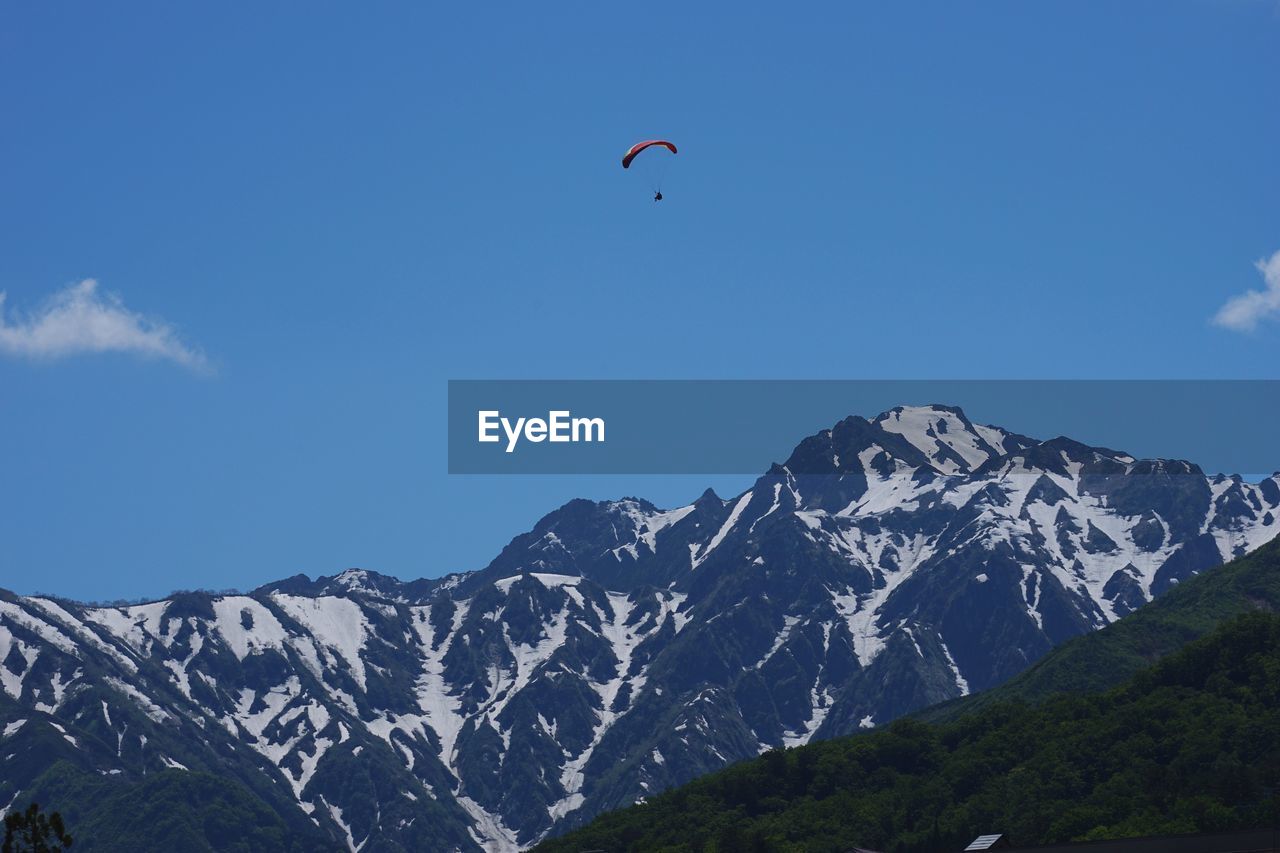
[{"x": 324, "y": 212}]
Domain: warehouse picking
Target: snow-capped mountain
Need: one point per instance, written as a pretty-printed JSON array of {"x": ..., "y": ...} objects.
[{"x": 617, "y": 649}]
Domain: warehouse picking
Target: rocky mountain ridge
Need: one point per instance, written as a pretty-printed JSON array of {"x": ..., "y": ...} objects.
[{"x": 618, "y": 649}]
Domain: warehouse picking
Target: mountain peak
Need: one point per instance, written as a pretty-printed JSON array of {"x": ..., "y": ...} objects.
[
  {"x": 944, "y": 434},
  {"x": 362, "y": 582},
  {"x": 709, "y": 497},
  {"x": 352, "y": 578},
  {"x": 939, "y": 409}
]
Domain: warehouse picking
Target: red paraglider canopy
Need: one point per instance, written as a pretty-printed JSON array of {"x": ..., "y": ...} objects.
[{"x": 640, "y": 146}]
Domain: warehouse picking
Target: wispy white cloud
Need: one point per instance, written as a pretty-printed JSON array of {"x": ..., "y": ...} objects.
[
  {"x": 81, "y": 319},
  {"x": 1243, "y": 313}
]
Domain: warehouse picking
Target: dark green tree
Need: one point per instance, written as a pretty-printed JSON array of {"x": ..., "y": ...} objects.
[{"x": 32, "y": 832}]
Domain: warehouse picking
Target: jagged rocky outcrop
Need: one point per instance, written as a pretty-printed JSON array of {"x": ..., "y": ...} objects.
[{"x": 617, "y": 649}]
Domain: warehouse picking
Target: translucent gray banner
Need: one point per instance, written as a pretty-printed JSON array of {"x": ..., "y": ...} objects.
[{"x": 741, "y": 426}]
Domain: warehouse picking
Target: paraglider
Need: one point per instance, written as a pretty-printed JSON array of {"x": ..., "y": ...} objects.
[
  {"x": 656, "y": 154},
  {"x": 641, "y": 146}
]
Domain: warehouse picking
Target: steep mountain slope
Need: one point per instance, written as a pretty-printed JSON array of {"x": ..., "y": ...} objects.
[
  {"x": 618, "y": 649},
  {"x": 1192, "y": 745},
  {"x": 1108, "y": 657}
]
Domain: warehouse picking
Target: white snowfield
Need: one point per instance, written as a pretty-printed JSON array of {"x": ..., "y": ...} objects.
[{"x": 307, "y": 681}]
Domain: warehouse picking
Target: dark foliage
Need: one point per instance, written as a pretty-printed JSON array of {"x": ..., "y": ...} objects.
[
  {"x": 171, "y": 810},
  {"x": 31, "y": 831}
]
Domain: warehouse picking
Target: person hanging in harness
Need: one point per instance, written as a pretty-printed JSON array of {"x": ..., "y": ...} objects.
[{"x": 657, "y": 196}]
